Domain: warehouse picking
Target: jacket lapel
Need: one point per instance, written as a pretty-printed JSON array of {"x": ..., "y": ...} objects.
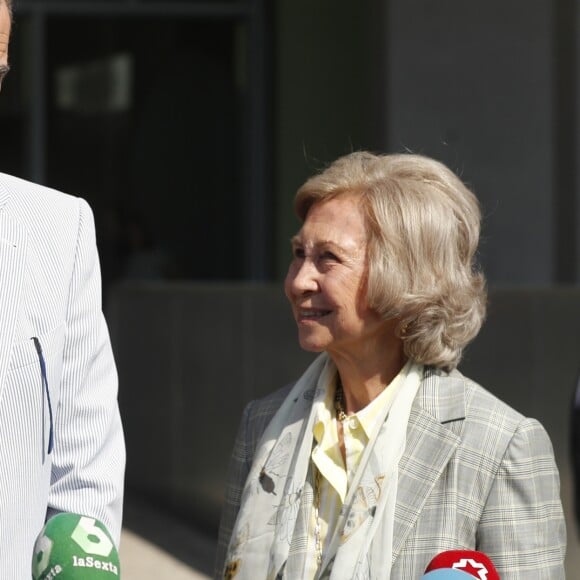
[
  {"x": 431, "y": 442},
  {"x": 13, "y": 246}
]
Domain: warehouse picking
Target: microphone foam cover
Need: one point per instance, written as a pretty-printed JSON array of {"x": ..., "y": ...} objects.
[
  {"x": 75, "y": 547},
  {"x": 446, "y": 574}
]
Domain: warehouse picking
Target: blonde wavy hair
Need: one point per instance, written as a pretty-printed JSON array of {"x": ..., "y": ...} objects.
[{"x": 423, "y": 228}]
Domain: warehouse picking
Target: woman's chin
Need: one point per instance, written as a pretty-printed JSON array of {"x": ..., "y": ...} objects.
[{"x": 312, "y": 345}]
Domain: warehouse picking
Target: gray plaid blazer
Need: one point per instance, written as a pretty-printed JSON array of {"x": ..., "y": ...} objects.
[{"x": 475, "y": 475}]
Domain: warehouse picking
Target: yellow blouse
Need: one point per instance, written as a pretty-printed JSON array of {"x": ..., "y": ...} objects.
[{"x": 331, "y": 474}]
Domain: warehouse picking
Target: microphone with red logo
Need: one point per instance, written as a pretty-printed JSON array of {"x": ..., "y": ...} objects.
[{"x": 457, "y": 564}]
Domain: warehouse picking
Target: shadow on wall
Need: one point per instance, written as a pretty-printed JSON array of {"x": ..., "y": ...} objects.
[{"x": 190, "y": 356}]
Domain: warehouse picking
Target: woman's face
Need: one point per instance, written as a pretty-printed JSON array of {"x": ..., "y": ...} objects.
[{"x": 326, "y": 281}]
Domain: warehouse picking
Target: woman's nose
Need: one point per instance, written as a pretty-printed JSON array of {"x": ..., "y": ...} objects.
[{"x": 301, "y": 278}]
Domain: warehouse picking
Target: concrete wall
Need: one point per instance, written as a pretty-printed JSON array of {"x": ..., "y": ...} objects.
[
  {"x": 473, "y": 84},
  {"x": 328, "y": 94},
  {"x": 191, "y": 356},
  {"x": 486, "y": 87}
]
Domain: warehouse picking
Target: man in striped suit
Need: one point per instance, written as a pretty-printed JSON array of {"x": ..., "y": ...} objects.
[{"x": 61, "y": 440}]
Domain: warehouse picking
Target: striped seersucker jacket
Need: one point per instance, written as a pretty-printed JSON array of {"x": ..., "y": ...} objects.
[{"x": 61, "y": 440}]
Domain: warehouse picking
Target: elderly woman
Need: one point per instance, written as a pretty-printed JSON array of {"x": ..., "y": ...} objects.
[{"x": 382, "y": 454}]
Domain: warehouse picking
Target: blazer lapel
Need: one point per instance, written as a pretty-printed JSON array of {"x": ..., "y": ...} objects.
[
  {"x": 430, "y": 445},
  {"x": 13, "y": 245}
]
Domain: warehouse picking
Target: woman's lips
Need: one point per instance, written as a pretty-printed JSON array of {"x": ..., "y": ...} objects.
[{"x": 306, "y": 314}]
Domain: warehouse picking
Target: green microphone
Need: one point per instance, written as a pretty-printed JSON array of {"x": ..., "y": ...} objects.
[{"x": 75, "y": 547}]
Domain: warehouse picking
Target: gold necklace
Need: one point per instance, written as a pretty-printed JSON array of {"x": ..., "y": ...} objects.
[{"x": 339, "y": 402}]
